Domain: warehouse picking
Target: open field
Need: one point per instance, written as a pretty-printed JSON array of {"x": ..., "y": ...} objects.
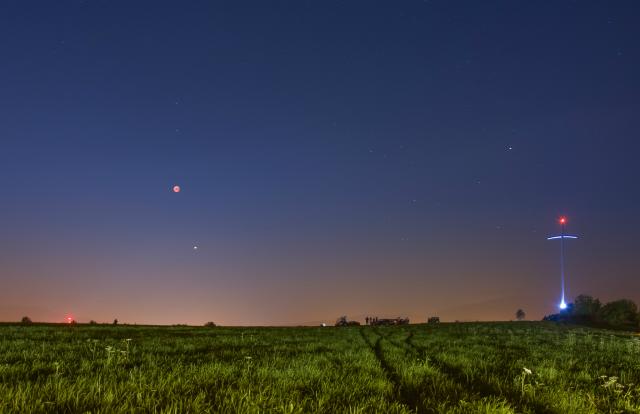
[{"x": 457, "y": 368}]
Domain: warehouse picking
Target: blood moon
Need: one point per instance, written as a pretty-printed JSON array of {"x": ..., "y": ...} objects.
[{"x": 176, "y": 189}]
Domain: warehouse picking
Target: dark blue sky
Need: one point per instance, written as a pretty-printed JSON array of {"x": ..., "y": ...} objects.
[{"x": 335, "y": 158}]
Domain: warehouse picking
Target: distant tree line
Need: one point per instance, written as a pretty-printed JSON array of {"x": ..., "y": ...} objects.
[{"x": 587, "y": 310}]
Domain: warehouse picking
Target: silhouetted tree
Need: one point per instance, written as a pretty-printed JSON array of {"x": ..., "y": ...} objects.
[
  {"x": 586, "y": 310},
  {"x": 585, "y": 306},
  {"x": 621, "y": 313},
  {"x": 520, "y": 315},
  {"x": 92, "y": 322},
  {"x": 210, "y": 324},
  {"x": 26, "y": 320},
  {"x": 115, "y": 321}
]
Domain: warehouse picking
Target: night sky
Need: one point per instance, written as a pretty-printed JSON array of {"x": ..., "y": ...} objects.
[{"x": 390, "y": 158}]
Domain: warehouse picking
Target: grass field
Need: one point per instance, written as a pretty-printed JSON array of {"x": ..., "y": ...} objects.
[{"x": 458, "y": 368}]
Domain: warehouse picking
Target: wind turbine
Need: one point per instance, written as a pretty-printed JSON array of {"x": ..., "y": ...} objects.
[{"x": 563, "y": 222}]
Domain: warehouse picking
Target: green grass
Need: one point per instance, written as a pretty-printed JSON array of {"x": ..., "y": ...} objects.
[{"x": 453, "y": 368}]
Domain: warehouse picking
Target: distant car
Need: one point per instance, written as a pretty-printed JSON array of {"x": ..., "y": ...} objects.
[{"x": 342, "y": 321}]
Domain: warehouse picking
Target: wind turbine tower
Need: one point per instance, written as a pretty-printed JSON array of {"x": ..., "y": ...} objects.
[{"x": 563, "y": 222}]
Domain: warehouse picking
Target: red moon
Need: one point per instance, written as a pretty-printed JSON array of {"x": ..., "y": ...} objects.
[{"x": 176, "y": 188}]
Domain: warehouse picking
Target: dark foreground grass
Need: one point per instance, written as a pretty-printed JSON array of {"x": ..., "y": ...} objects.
[{"x": 453, "y": 368}]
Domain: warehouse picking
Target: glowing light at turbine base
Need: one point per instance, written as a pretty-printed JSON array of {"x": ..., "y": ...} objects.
[{"x": 562, "y": 305}]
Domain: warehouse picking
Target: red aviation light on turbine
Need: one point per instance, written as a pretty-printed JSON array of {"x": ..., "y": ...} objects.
[{"x": 562, "y": 220}]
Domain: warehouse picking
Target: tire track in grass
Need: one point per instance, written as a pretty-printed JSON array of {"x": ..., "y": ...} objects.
[
  {"x": 457, "y": 375},
  {"x": 377, "y": 352},
  {"x": 392, "y": 376},
  {"x": 483, "y": 388},
  {"x": 436, "y": 400}
]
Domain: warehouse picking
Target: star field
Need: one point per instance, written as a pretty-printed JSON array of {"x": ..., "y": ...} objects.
[{"x": 290, "y": 162}]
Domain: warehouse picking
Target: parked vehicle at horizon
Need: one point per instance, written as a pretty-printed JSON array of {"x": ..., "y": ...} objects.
[
  {"x": 342, "y": 321},
  {"x": 389, "y": 321}
]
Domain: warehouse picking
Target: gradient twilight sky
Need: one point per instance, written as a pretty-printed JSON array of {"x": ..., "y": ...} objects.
[{"x": 335, "y": 157}]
